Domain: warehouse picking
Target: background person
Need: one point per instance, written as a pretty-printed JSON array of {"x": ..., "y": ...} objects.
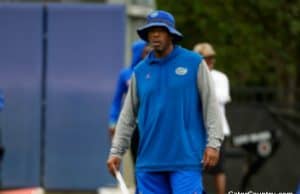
[
  {"x": 221, "y": 83},
  {"x": 139, "y": 50}
]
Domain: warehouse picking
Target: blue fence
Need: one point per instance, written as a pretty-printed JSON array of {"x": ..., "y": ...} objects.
[
  {"x": 20, "y": 80},
  {"x": 58, "y": 67}
]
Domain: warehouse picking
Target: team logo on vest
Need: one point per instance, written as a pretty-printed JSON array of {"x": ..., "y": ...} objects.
[
  {"x": 181, "y": 70},
  {"x": 148, "y": 76}
]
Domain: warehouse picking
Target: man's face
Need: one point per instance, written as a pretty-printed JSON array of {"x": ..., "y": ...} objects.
[
  {"x": 210, "y": 60},
  {"x": 160, "y": 40}
]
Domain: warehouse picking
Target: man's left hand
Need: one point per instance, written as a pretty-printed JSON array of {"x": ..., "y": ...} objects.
[{"x": 210, "y": 157}]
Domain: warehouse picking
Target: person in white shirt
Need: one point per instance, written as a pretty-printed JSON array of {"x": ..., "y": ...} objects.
[{"x": 221, "y": 83}]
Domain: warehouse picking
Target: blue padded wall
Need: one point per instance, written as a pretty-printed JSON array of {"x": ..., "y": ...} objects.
[
  {"x": 85, "y": 54},
  {"x": 20, "y": 81}
]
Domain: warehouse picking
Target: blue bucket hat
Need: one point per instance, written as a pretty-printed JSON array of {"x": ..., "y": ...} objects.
[{"x": 160, "y": 19}]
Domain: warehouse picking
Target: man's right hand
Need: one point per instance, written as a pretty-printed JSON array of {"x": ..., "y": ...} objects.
[{"x": 113, "y": 164}]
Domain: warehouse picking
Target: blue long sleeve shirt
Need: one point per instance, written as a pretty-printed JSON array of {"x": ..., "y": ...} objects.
[{"x": 123, "y": 82}]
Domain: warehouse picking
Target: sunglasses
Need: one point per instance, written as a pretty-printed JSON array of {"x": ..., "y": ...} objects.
[{"x": 209, "y": 57}]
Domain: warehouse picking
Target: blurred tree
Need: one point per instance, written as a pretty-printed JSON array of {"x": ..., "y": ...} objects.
[{"x": 257, "y": 41}]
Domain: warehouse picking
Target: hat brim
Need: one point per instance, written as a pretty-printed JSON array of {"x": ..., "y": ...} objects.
[{"x": 143, "y": 31}]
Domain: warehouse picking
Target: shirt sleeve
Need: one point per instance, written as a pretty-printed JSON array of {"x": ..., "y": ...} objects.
[
  {"x": 222, "y": 88},
  {"x": 211, "y": 112},
  {"x": 126, "y": 122},
  {"x": 117, "y": 101}
]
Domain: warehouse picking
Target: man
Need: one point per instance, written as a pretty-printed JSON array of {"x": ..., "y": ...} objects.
[
  {"x": 139, "y": 50},
  {"x": 172, "y": 97},
  {"x": 221, "y": 83}
]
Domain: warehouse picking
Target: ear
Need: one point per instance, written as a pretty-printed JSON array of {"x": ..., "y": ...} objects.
[{"x": 171, "y": 37}]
